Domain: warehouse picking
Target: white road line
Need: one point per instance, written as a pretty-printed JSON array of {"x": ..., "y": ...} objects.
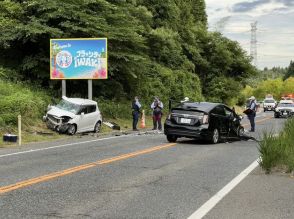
[
  {"x": 60, "y": 146},
  {"x": 207, "y": 206}
]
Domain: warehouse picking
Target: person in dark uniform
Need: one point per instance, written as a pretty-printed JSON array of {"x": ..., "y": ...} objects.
[
  {"x": 136, "y": 112},
  {"x": 252, "y": 112}
]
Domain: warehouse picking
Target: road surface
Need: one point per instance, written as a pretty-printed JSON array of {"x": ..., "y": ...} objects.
[{"x": 135, "y": 176}]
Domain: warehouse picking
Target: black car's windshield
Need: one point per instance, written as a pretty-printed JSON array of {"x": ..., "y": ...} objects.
[
  {"x": 68, "y": 106},
  {"x": 286, "y": 105}
]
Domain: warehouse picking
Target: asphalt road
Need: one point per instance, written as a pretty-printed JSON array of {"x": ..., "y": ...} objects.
[{"x": 136, "y": 176}]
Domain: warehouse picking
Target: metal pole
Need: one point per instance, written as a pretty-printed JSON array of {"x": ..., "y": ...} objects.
[
  {"x": 63, "y": 87},
  {"x": 19, "y": 130},
  {"x": 90, "y": 91}
]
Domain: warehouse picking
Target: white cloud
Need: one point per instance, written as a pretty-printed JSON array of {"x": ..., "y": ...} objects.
[{"x": 275, "y": 28}]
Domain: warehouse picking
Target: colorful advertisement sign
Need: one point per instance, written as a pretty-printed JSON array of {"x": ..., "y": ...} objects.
[{"x": 78, "y": 58}]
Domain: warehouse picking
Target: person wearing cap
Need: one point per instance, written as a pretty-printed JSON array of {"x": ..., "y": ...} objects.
[
  {"x": 157, "y": 107},
  {"x": 252, "y": 106}
]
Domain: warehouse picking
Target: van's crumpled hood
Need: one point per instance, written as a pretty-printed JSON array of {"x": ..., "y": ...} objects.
[{"x": 54, "y": 111}]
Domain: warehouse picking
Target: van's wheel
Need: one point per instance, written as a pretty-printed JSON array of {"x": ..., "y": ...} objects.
[
  {"x": 215, "y": 137},
  {"x": 71, "y": 129},
  {"x": 171, "y": 138},
  {"x": 97, "y": 127}
]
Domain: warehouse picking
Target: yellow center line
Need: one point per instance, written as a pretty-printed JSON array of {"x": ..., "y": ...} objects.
[
  {"x": 51, "y": 176},
  {"x": 65, "y": 172}
]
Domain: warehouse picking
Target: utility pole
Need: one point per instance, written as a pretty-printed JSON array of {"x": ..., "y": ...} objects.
[{"x": 253, "y": 43}]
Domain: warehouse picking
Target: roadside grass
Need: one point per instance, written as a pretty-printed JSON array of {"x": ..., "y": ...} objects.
[
  {"x": 36, "y": 133},
  {"x": 277, "y": 152},
  {"x": 40, "y": 133},
  {"x": 28, "y": 101},
  {"x": 126, "y": 124}
]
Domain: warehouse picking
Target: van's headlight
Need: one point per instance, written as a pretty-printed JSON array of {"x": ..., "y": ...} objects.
[{"x": 65, "y": 119}]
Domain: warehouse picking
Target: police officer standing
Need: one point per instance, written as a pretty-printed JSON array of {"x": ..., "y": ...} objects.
[
  {"x": 252, "y": 106},
  {"x": 136, "y": 112}
]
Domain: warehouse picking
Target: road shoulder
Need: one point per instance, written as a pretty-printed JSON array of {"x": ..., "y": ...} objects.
[{"x": 258, "y": 196}]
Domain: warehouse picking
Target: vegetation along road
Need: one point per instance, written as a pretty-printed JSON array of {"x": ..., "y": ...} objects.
[{"x": 134, "y": 176}]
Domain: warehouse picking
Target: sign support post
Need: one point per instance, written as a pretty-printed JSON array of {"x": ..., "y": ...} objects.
[
  {"x": 63, "y": 87},
  {"x": 90, "y": 90}
]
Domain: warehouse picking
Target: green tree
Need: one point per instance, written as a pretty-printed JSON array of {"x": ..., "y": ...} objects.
[
  {"x": 290, "y": 70},
  {"x": 222, "y": 88},
  {"x": 154, "y": 46}
]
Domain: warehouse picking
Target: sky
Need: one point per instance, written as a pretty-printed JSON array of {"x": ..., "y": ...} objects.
[{"x": 275, "y": 27}]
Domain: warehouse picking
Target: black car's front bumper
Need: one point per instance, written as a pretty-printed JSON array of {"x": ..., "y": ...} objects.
[{"x": 186, "y": 130}]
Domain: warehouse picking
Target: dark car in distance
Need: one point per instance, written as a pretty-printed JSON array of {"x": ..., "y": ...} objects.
[{"x": 202, "y": 120}]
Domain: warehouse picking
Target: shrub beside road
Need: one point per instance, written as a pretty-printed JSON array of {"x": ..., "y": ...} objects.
[{"x": 277, "y": 151}]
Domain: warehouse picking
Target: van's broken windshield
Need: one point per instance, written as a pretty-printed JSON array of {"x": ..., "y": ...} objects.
[{"x": 68, "y": 106}]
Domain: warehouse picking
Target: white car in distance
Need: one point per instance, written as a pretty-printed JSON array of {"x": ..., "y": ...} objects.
[
  {"x": 74, "y": 115},
  {"x": 269, "y": 104}
]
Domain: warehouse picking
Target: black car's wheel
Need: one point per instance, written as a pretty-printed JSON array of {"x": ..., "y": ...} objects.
[
  {"x": 215, "y": 137},
  {"x": 71, "y": 129},
  {"x": 276, "y": 115},
  {"x": 241, "y": 131},
  {"x": 97, "y": 127},
  {"x": 171, "y": 138}
]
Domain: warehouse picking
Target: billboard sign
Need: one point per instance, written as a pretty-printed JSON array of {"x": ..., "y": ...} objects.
[{"x": 78, "y": 58}]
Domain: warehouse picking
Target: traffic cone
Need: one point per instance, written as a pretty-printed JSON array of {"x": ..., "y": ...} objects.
[{"x": 143, "y": 120}]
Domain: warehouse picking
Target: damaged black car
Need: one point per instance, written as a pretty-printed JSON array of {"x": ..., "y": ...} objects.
[{"x": 202, "y": 120}]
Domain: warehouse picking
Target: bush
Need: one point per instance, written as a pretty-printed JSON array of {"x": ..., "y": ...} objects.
[
  {"x": 224, "y": 90},
  {"x": 18, "y": 99},
  {"x": 278, "y": 151},
  {"x": 166, "y": 83},
  {"x": 114, "y": 109}
]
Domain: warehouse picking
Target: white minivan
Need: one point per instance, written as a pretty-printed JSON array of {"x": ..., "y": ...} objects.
[{"x": 74, "y": 115}]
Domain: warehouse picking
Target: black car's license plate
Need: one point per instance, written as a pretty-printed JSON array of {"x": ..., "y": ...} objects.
[{"x": 185, "y": 120}]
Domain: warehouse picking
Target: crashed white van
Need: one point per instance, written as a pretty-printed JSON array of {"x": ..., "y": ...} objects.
[{"x": 74, "y": 115}]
